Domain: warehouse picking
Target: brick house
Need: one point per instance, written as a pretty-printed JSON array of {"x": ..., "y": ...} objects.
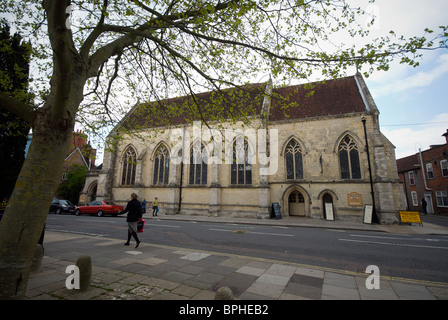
[
  {"x": 425, "y": 176},
  {"x": 80, "y": 153}
]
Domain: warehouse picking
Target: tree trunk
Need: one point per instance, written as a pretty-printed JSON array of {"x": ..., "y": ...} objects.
[
  {"x": 27, "y": 210},
  {"x": 25, "y": 216},
  {"x": 53, "y": 124}
]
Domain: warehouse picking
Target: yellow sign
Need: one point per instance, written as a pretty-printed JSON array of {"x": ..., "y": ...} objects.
[{"x": 410, "y": 217}]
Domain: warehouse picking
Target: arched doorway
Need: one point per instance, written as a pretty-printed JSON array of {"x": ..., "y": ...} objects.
[
  {"x": 91, "y": 192},
  {"x": 327, "y": 204},
  {"x": 296, "y": 204}
]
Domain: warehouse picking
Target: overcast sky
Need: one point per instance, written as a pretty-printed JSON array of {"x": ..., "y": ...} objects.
[{"x": 413, "y": 102}]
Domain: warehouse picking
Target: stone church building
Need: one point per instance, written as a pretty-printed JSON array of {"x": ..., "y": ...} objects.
[{"x": 326, "y": 156}]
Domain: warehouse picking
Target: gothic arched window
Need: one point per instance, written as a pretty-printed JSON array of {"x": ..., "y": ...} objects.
[
  {"x": 129, "y": 164},
  {"x": 293, "y": 156},
  {"x": 198, "y": 164},
  {"x": 241, "y": 167},
  {"x": 161, "y": 165},
  {"x": 349, "y": 159}
]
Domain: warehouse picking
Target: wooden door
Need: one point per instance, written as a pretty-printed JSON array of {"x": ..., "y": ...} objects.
[{"x": 296, "y": 204}]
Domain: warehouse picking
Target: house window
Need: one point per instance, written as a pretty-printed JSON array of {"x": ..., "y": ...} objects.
[
  {"x": 442, "y": 198},
  {"x": 241, "y": 167},
  {"x": 129, "y": 164},
  {"x": 349, "y": 159},
  {"x": 411, "y": 178},
  {"x": 414, "y": 198},
  {"x": 198, "y": 165},
  {"x": 161, "y": 166},
  {"x": 429, "y": 171},
  {"x": 64, "y": 176},
  {"x": 293, "y": 156},
  {"x": 444, "y": 167}
]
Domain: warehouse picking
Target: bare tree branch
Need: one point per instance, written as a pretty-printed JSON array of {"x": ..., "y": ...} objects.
[
  {"x": 20, "y": 109},
  {"x": 130, "y": 34},
  {"x": 88, "y": 43}
]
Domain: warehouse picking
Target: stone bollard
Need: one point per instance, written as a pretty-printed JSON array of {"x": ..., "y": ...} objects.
[
  {"x": 224, "y": 293},
  {"x": 84, "y": 263}
]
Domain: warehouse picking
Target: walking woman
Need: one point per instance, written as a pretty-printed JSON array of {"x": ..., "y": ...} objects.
[{"x": 134, "y": 209}]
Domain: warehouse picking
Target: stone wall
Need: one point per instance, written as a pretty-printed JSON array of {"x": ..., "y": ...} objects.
[{"x": 319, "y": 139}]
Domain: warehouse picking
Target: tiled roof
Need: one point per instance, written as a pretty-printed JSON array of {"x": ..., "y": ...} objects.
[
  {"x": 227, "y": 104},
  {"x": 333, "y": 97},
  {"x": 407, "y": 163}
]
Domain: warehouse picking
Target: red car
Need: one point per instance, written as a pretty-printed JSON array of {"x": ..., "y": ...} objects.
[{"x": 99, "y": 208}]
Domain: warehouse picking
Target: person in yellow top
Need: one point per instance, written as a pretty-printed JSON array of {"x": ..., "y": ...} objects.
[{"x": 155, "y": 207}]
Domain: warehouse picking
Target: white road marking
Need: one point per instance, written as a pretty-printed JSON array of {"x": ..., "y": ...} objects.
[
  {"x": 163, "y": 225},
  {"x": 393, "y": 244},
  {"x": 255, "y": 232}
]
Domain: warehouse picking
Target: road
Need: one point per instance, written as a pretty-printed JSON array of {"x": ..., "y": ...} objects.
[
  {"x": 419, "y": 257},
  {"x": 435, "y": 219}
]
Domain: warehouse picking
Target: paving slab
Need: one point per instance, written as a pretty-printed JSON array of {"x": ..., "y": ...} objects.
[
  {"x": 333, "y": 292},
  {"x": 407, "y": 291},
  {"x": 340, "y": 280},
  {"x": 155, "y": 272}
]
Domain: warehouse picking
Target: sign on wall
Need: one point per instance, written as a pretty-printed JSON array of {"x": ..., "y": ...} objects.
[{"x": 354, "y": 199}]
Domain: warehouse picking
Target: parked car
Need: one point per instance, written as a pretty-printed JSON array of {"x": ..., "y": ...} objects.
[
  {"x": 99, "y": 208},
  {"x": 59, "y": 206}
]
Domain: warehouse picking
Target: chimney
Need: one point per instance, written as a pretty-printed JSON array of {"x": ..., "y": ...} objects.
[
  {"x": 79, "y": 139},
  {"x": 446, "y": 135}
]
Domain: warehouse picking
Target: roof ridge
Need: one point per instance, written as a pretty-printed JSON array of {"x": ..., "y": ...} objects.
[{"x": 321, "y": 98}]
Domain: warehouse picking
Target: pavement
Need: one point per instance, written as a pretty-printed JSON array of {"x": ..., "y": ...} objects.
[{"x": 159, "y": 272}]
